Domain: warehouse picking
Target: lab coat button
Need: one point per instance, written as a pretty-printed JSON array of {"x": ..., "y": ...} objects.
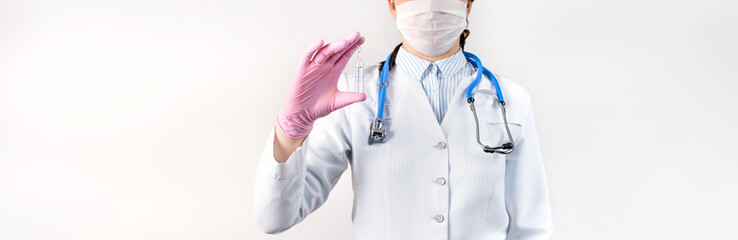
[
  {"x": 441, "y": 181},
  {"x": 441, "y": 145},
  {"x": 439, "y": 218}
]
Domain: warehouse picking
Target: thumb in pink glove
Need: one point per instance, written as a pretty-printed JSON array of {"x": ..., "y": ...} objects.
[{"x": 314, "y": 92}]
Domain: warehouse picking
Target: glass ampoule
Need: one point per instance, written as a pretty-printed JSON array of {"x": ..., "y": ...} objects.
[{"x": 359, "y": 77}]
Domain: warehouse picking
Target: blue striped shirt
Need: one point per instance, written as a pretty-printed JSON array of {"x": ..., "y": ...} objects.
[{"x": 439, "y": 78}]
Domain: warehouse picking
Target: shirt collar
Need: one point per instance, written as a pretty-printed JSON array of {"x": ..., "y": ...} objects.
[{"x": 416, "y": 66}]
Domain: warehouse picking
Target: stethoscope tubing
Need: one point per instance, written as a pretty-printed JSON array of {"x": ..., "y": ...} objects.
[
  {"x": 383, "y": 87},
  {"x": 478, "y": 63},
  {"x": 377, "y": 132}
]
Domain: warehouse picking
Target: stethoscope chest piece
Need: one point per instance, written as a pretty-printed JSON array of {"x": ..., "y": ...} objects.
[{"x": 377, "y": 133}]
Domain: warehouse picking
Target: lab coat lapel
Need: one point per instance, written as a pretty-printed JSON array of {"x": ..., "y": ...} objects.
[
  {"x": 415, "y": 107},
  {"x": 455, "y": 115}
]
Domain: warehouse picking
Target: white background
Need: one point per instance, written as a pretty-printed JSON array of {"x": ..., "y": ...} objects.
[{"x": 145, "y": 119}]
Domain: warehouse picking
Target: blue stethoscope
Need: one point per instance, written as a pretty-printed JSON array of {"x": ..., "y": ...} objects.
[{"x": 377, "y": 132}]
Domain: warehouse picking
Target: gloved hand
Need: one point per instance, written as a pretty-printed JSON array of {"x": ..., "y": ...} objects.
[{"x": 314, "y": 93}]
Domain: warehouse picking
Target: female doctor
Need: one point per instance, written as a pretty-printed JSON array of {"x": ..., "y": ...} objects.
[{"x": 433, "y": 169}]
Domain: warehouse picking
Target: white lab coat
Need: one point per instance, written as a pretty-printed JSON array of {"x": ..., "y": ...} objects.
[{"x": 402, "y": 186}]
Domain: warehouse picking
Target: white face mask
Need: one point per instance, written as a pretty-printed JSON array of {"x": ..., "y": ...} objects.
[{"x": 431, "y": 27}]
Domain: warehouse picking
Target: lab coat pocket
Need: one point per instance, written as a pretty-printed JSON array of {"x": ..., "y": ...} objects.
[{"x": 492, "y": 128}]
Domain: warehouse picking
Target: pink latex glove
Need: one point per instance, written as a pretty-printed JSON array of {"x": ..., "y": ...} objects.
[{"x": 314, "y": 92}]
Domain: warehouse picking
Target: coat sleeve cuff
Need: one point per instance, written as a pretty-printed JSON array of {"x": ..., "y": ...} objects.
[{"x": 277, "y": 170}]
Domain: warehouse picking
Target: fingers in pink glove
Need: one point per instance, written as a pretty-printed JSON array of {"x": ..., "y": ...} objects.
[
  {"x": 335, "y": 47},
  {"x": 307, "y": 55},
  {"x": 338, "y": 59},
  {"x": 346, "y": 98}
]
